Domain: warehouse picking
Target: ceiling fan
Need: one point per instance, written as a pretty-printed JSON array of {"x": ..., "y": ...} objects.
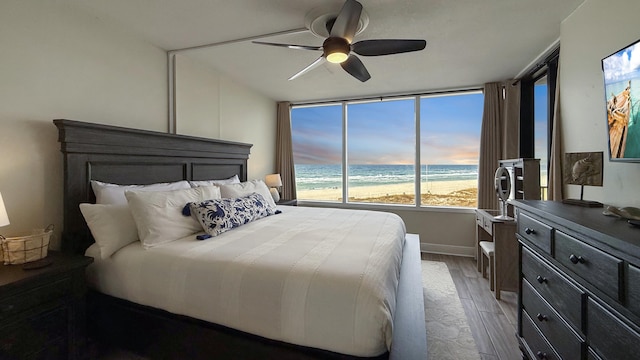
[{"x": 339, "y": 47}]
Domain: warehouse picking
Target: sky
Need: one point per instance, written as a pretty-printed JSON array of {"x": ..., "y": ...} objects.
[
  {"x": 383, "y": 132},
  {"x": 624, "y": 64}
]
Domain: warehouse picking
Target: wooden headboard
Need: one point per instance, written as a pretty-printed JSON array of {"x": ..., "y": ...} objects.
[{"x": 127, "y": 156}]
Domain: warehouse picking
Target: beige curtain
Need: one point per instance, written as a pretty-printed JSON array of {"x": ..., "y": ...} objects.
[
  {"x": 511, "y": 148},
  {"x": 491, "y": 144},
  {"x": 555, "y": 166},
  {"x": 284, "y": 152}
]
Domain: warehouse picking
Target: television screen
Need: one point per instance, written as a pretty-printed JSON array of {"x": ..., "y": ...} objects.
[{"x": 622, "y": 90}]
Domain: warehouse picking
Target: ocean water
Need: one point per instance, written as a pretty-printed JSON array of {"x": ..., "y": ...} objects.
[{"x": 309, "y": 177}]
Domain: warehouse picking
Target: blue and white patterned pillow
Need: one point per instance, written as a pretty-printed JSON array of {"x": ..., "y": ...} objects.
[{"x": 219, "y": 215}]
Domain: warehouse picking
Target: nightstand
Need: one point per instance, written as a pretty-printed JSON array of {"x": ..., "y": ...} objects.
[
  {"x": 293, "y": 202},
  {"x": 42, "y": 311}
]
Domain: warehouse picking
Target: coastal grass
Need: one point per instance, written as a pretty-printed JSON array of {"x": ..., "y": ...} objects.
[{"x": 458, "y": 198}]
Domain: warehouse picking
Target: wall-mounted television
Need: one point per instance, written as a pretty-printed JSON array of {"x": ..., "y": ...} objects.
[{"x": 621, "y": 72}]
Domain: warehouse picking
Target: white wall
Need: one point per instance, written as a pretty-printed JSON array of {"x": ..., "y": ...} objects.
[
  {"x": 595, "y": 30},
  {"x": 58, "y": 63},
  {"x": 197, "y": 99},
  {"x": 211, "y": 104}
]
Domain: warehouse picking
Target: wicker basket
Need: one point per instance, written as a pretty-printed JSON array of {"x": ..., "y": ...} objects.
[{"x": 26, "y": 248}]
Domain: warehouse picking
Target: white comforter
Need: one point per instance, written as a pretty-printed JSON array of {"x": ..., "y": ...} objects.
[{"x": 325, "y": 278}]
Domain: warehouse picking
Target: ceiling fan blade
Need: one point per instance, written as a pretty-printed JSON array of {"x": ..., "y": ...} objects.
[
  {"x": 387, "y": 47},
  {"x": 356, "y": 68},
  {"x": 313, "y": 65},
  {"x": 290, "y": 46},
  {"x": 346, "y": 23}
]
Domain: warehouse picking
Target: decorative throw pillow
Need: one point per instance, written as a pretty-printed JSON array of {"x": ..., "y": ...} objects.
[
  {"x": 107, "y": 193},
  {"x": 220, "y": 215},
  {"x": 158, "y": 214},
  {"x": 232, "y": 180},
  {"x": 247, "y": 188},
  {"x": 112, "y": 226}
]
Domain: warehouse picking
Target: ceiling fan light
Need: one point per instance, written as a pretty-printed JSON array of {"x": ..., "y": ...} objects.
[
  {"x": 337, "y": 57},
  {"x": 336, "y": 50}
]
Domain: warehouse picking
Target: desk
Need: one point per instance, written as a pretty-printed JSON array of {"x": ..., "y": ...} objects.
[{"x": 503, "y": 233}]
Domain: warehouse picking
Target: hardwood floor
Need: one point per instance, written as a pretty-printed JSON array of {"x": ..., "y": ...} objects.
[{"x": 493, "y": 322}]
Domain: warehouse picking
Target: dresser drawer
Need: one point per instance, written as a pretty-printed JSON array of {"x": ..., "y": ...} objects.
[
  {"x": 612, "y": 338},
  {"x": 565, "y": 297},
  {"x": 591, "y": 355},
  {"x": 633, "y": 289},
  {"x": 20, "y": 302},
  {"x": 597, "y": 267},
  {"x": 557, "y": 331},
  {"x": 536, "y": 341},
  {"x": 33, "y": 334},
  {"x": 535, "y": 231}
]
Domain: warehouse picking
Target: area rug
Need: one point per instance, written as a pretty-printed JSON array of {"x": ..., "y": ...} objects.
[{"x": 448, "y": 333}]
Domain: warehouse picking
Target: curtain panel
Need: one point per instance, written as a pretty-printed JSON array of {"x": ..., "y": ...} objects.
[
  {"x": 555, "y": 191},
  {"x": 499, "y": 136},
  {"x": 284, "y": 151}
]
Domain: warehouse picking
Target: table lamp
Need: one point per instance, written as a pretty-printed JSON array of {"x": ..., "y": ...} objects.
[
  {"x": 274, "y": 181},
  {"x": 4, "y": 218}
]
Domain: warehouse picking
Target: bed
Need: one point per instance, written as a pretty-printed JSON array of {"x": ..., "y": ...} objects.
[{"x": 127, "y": 156}]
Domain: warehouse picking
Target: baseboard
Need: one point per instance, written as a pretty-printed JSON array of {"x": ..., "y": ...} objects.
[{"x": 455, "y": 250}]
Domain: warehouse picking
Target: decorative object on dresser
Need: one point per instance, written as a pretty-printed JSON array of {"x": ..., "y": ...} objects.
[
  {"x": 274, "y": 181},
  {"x": 42, "y": 311},
  {"x": 525, "y": 179},
  {"x": 503, "y": 190},
  {"x": 584, "y": 168},
  {"x": 580, "y": 283}
]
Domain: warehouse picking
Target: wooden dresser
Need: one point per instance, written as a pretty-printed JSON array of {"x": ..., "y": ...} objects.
[
  {"x": 579, "y": 288},
  {"x": 42, "y": 311}
]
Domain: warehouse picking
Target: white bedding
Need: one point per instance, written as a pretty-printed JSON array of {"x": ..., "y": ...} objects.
[{"x": 325, "y": 278}]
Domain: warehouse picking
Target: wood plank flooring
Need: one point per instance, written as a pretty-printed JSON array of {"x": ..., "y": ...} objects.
[{"x": 493, "y": 322}]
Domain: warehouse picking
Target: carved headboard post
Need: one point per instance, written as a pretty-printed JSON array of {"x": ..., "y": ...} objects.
[{"x": 129, "y": 156}]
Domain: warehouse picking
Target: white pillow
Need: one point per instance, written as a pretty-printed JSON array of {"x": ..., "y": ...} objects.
[
  {"x": 158, "y": 214},
  {"x": 232, "y": 180},
  {"x": 247, "y": 188},
  {"x": 112, "y": 226},
  {"x": 107, "y": 193}
]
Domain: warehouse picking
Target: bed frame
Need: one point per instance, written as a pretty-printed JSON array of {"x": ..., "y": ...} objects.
[{"x": 128, "y": 156}]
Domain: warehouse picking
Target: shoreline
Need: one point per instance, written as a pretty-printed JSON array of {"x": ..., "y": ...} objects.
[{"x": 439, "y": 188}]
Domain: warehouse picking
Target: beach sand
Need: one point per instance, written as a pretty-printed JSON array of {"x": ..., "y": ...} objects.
[{"x": 437, "y": 193}]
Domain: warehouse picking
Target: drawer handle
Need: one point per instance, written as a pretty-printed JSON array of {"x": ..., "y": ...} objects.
[
  {"x": 576, "y": 259},
  {"x": 541, "y": 279},
  {"x": 541, "y": 317},
  {"x": 529, "y": 231},
  {"x": 541, "y": 355}
]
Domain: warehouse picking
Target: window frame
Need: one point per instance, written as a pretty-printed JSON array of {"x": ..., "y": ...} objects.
[
  {"x": 548, "y": 68},
  {"x": 417, "y": 164}
]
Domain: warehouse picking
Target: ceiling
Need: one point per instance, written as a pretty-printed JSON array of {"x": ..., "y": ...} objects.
[{"x": 469, "y": 42}]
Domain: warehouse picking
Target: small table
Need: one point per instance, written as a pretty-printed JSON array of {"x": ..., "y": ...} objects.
[
  {"x": 503, "y": 234},
  {"x": 42, "y": 311}
]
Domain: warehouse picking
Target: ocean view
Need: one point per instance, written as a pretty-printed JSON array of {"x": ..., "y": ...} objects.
[{"x": 318, "y": 177}]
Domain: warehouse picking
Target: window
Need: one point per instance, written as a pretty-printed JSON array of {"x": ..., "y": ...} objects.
[
  {"x": 381, "y": 151},
  {"x": 536, "y": 115},
  {"x": 541, "y": 130},
  {"x": 368, "y": 151},
  {"x": 450, "y": 148},
  {"x": 316, "y": 132}
]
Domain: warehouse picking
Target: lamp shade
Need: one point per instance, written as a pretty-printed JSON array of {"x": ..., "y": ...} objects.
[
  {"x": 273, "y": 180},
  {"x": 4, "y": 218}
]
